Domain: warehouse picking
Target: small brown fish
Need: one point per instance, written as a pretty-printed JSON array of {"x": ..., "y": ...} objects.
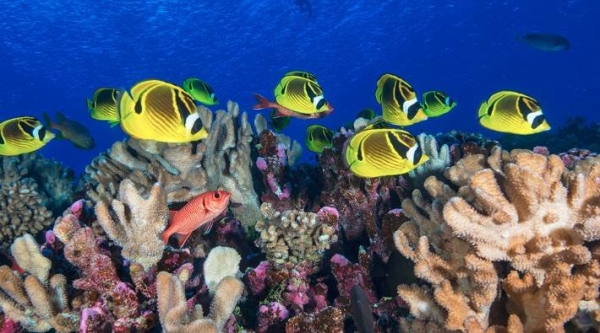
[{"x": 71, "y": 130}]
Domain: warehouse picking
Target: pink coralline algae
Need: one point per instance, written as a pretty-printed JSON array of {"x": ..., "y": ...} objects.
[{"x": 271, "y": 316}]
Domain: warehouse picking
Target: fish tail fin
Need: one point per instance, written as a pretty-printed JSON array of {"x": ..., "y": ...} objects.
[
  {"x": 89, "y": 104},
  {"x": 263, "y": 103}
]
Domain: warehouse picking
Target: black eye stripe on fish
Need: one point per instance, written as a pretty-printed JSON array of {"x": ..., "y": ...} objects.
[
  {"x": 397, "y": 145},
  {"x": 413, "y": 110}
]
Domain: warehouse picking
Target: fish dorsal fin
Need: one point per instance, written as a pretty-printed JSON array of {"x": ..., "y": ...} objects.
[{"x": 60, "y": 118}]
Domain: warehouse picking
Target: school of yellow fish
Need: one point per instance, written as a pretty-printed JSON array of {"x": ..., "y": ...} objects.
[{"x": 164, "y": 112}]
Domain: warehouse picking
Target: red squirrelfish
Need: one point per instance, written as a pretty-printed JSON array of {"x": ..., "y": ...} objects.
[{"x": 200, "y": 212}]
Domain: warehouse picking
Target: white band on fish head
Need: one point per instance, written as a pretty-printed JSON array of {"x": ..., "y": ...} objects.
[
  {"x": 316, "y": 101},
  {"x": 531, "y": 117},
  {"x": 410, "y": 154},
  {"x": 36, "y": 132},
  {"x": 407, "y": 104},
  {"x": 190, "y": 121}
]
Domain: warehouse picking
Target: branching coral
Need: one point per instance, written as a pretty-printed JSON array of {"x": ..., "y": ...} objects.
[
  {"x": 37, "y": 303},
  {"x": 511, "y": 207},
  {"x": 221, "y": 161},
  {"x": 173, "y": 309},
  {"x": 139, "y": 224}
]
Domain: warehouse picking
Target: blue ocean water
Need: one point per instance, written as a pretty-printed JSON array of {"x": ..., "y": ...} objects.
[{"x": 54, "y": 54}]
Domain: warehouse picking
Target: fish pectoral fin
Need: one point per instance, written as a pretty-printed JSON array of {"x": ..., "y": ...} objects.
[
  {"x": 207, "y": 227},
  {"x": 172, "y": 214},
  {"x": 182, "y": 238}
]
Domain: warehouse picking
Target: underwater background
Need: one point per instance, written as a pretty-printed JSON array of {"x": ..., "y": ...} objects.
[{"x": 54, "y": 55}]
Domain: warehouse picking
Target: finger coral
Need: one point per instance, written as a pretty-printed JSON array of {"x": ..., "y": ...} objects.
[
  {"x": 173, "y": 310},
  {"x": 512, "y": 207},
  {"x": 139, "y": 224},
  {"x": 39, "y": 304}
]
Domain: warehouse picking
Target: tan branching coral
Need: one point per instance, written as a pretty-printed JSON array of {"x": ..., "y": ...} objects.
[
  {"x": 26, "y": 252},
  {"x": 221, "y": 161},
  {"x": 37, "y": 305},
  {"x": 514, "y": 207},
  {"x": 139, "y": 222},
  {"x": 176, "y": 317},
  {"x": 294, "y": 236}
]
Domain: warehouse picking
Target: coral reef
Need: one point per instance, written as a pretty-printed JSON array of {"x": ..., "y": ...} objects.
[
  {"x": 221, "y": 161},
  {"x": 509, "y": 207},
  {"x": 31, "y": 190}
]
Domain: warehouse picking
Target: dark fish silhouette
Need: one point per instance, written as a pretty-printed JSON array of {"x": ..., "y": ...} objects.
[
  {"x": 545, "y": 42},
  {"x": 71, "y": 130}
]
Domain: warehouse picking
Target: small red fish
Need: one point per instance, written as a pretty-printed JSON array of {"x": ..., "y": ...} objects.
[
  {"x": 200, "y": 212},
  {"x": 282, "y": 111}
]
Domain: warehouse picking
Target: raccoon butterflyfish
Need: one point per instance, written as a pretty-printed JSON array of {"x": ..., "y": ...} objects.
[
  {"x": 545, "y": 42},
  {"x": 318, "y": 138},
  {"x": 398, "y": 100},
  {"x": 22, "y": 135},
  {"x": 278, "y": 123},
  {"x": 382, "y": 152},
  {"x": 71, "y": 130},
  {"x": 301, "y": 95},
  {"x": 437, "y": 103},
  {"x": 103, "y": 105},
  {"x": 160, "y": 111},
  {"x": 512, "y": 112},
  {"x": 302, "y": 74},
  {"x": 200, "y": 91}
]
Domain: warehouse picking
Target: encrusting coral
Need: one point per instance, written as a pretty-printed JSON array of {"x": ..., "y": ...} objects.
[
  {"x": 294, "y": 236},
  {"x": 511, "y": 207},
  {"x": 139, "y": 225},
  {"x": 221, "y": 161}
]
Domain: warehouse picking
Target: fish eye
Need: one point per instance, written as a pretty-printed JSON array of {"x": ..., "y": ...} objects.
[{"x": 217, "y": 195}]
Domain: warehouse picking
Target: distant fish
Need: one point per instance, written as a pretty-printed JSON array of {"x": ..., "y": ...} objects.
[
  {"x": 200, "y": 91},
  {"x": 545, "y": 42},
  {"x": 512, "y": 112},
  {"x": 22, "y": 135},
  {"x": 71, "y": 130},
  {"x": 437, "y": 103},
  {"x": 318, "y": 138},
  {"x": 103, "y": 105}
]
